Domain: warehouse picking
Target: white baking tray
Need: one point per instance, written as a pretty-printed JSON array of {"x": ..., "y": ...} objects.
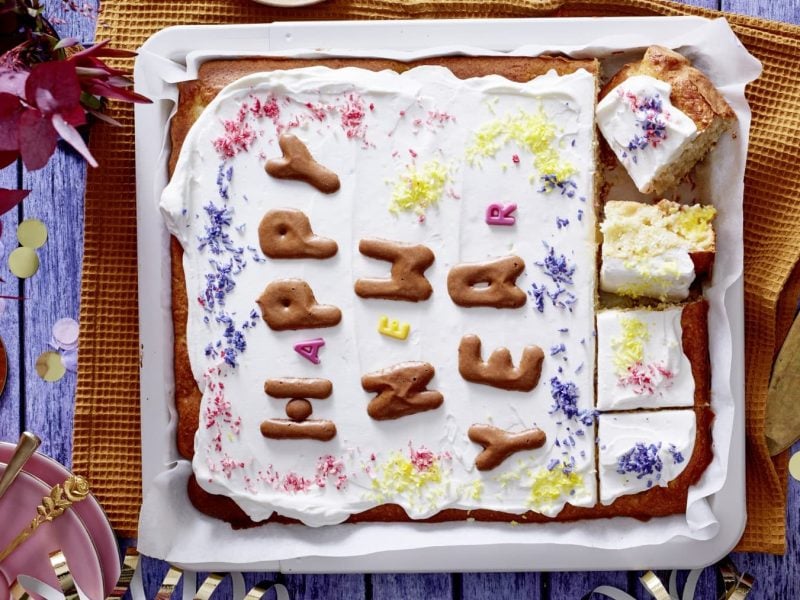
[{"x": 173, "y": 55}]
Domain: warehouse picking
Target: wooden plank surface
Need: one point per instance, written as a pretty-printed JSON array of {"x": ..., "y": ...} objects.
[
  {"x": 52, "y": 293},
  {"x": 10, "y": 426},
  {"x": 57, "y": 199}
]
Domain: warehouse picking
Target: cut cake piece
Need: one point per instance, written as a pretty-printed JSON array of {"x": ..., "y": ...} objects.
[
  {"x": 655, "y": 250},
  {"x": 660, "y": 453},
  {"x": 661, "y": 116},
  {"x": 653, "y": 358}
]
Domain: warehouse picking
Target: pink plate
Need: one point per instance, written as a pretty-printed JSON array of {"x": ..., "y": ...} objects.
[{"x": 83, "y": 532}]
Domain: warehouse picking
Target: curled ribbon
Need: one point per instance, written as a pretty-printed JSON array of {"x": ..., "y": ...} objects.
[
  {"x": 737, "y": 585},
  {"x": 22, "y": 588}
]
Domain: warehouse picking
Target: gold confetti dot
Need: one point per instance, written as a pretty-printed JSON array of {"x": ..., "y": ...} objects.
[
  {"x": 794, "y": 465},
  {"x": 23, "y": 262},
  {"x": 49, "y": 366},
  {"x": 32, "y": 233}
]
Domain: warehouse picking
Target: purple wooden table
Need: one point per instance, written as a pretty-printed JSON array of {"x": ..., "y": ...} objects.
[{"x": 47, "y": 408}]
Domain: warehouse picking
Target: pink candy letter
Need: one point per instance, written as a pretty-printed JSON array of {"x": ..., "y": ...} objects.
[
  {"x": 309, "y": 349},
  {"x": 500, "y": 214}
]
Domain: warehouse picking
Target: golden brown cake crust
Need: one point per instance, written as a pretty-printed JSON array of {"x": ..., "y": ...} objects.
[
  {"x": 692, "y": 92},
  {"x": 194, "y": 96}
]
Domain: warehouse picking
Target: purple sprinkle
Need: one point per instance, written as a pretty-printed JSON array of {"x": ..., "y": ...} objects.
[
  {"x": 564, "y": 330},
  {"x": 643, "y": 460},
  {"x": 557, "y": 267},
  {"x": 677, "y": 457},
  {"x": 580, "y": 214},
  {"x": 554, "y": 462},
  {"x": 557, "y": 349},
  {"x": 565, "y": 395},
  {"x": 537, "y": 294},
  {"x": 560, "y": 222}
]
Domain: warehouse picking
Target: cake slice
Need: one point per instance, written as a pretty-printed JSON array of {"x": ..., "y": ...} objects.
[
  {"x": 655, "y": 250},
  {"x": 653, "y": 358},
  {"x": 661, "y": 116},
  {"x": 648, "y": 460}
]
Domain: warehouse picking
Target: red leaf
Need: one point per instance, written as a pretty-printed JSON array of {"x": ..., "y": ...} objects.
[
  {"x": 37, "y": 139},
  {"x": 70, "y": 135},
  {"x": 100, "y": 88},
  {"x": 13, "y": 81},
  {"x": 10, "y": 198},
  {"x": 10, "y": 111},
  {"x": 53, "y": 87},
  {"x": 102, "y": 49},
  {"x": 6, "y": 158}
]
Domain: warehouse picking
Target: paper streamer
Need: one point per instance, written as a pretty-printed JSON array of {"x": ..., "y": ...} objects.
[
  {"x": 737, "y": 585},
  {"x": 24, "y": 586},
  {"x": 130, "y": 579}
]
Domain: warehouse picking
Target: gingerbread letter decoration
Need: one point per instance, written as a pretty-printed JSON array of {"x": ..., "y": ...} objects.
[
  {"x": 499, "y": 370},
  {"x": 286, "y": 429},
  {"x": 401, "y": 391},
  {"x": 298, "y": 409},
  {"x": 499, "y": 444},
  {"x": 298, "y": 387},
  {"x": 491, "y": 283},
  {"x": 409, "y": 262},
  {"x": 297, "y": 163},
  {"x": 290, "y": 304},
  {"x": 287, "y": 233}
]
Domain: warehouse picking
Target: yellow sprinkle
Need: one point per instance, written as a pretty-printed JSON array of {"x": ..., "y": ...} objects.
[
  {"x": 550, "y": 486},
  {"x": 419, "y": 187},
  {"x": 513, "y": 523},
  {"x": 533, "y": 132},
  {"x": 398, "y": 476},
  {"x": 693, "y": 223},
  {"x": 477, "y": 490},
  {"x": 628, "y": 347}
]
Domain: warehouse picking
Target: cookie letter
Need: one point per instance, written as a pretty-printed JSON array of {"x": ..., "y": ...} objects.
[
  {"x": 298, "y": 387},
  {"x": 408, "y": 265},
  {"x": 499, "y": 370},
  {"x": 285, "y": 429},
  {"x": 290, "y": 304},
  {"x": 499, "y": 275},
  {"x": 297, "y": 163},
  {"x": 499, "y": 444},
  {"x": 286, "y": 233},
  {"x": 401, "y": 391}
]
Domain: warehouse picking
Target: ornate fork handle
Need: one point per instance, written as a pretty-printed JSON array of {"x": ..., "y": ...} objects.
[{"x": 61, "y": 497}]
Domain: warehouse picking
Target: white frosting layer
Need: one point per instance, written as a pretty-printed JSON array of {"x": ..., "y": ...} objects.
[
  {"x": 667, "y": 276},
  {"x": 640, "y": 450},
  {"x": 370, "y": 129},
  {"x": 640, "y": 360},
  {"x": 643, "y": 128}
]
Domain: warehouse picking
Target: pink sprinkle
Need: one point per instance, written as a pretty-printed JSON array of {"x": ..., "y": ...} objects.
[
  {"x": 422, "y": 459},
  {"x": 318, "y": 110},
  {"x": 436, "y": 117},
  {"x": 644, "y": 379},
  {"x": 238, "y": 136},
  {"x": 330, "y": 466},
  {"x": 515, "y": 159},
  {"x": 412, "y": 153},
  {"x": 353, "y": 116},
  {"x": 228, "y": 465},
  {"x": 293, "y": 482},
  {"x": 371, "y": 106}
]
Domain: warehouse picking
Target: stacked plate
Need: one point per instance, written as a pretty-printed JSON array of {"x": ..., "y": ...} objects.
[{"x": 82, "y": 533}]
